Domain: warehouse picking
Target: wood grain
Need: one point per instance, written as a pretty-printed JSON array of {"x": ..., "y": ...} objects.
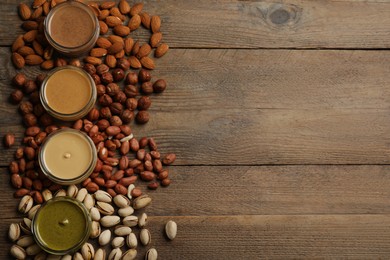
[{"x": 254, "y": 24}]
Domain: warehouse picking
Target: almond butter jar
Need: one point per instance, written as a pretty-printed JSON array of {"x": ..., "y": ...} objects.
[
  {"x": 68, "y": 93},
  {"x": 71, "y": 28}
]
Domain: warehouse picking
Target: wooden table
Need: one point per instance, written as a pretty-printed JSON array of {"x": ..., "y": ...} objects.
[{"x": 280, "y": 116}]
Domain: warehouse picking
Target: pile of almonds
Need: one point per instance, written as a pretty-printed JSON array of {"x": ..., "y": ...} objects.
[{"x": 123, "y": 97}]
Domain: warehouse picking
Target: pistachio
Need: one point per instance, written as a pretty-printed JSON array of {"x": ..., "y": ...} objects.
[
  {"x": 121, "y": 201},
  {"x": 116, "y": 254},
  {"x": 33, "y": 211},
  {"x": 25, "y": 204},
  {"x": 103, "y": 196},
  {"x": 105, "y": 237},
  {"x": 105, "y": 208},
  {"x": 145, "y": 237},
  {"x": 72, "y": 191},
  {"x": 131, "y": 241},
  {"x": 89, "y": 201},
  {"x": 66, "y": 257},
  {"x": 151, "y": 254},
  {"x": 130, "y": 221},
  {"x": 171, "y": 229},
  {"x": 25, "y": 225},
  {"x": 109, "y": 221},
  {"x": 124, "y": 212},
  {"x": 25, "y": 241},
  {"x": 47, "y": 195},
  {"x": 122, "y": 230},
  {"x": 95, "y": 214},
  {"x": 95, "y": 229},
  {"x": 14, "y": 232},
  {"x": 81, "y": 194},
  {"x": 118, "y": 242},
  {"x": 78, "y": 256},
  {"x": 87, "y": 251},
  {"x": 142, "y": 201},
  {"x": 33, "y": 249},
  {"x": 130, "y": 254},
  {"x": 129, "y": 190},
  {"x": 18, "y": 252},
  {"x": 143, "y": 220},
  {"x": 60, "y": 193},
  {"x": 100, "y": 254}
]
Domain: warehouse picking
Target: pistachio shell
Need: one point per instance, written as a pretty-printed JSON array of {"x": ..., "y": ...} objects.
[
  {"x": 60, "y": 193},
  {"x": 116, "y": 254},
  {"x": 143, "y": 220},
  {"x": 42, "y": 256},
  {"x": 100, "y": 254},
  {"x": 130, "y": 254},
  {"x": 33, "y": 211},
  {"x": 78, "y": 256},
  {"x": 130, "y": 221},
  {"x": 103, "y": 196},
  {"x": 89, "y": 202},
  {"x": 47, "y": 195},
  {"x": 95, "y": 214},
  {"x": 25, "y": 204},
  {"x": 87, "y": 251},
  {"x": 105, "y": 208},
  {"x": 118, "y": 242},
  {"x": 145, "y": 237},
  {"x": 121, "y": 201},
  {"x": 81, "y": 194},
  {"x": 72, "y": 191},
  {"x": 66, "y": 257},
  {"x": 109, "y": 221},
  {"x": 105, "y": 237},
  {"x": 25, "y": 225},
  {"x": 151, "y": 254},
  {"x": 14, "y": 232},
  {"x": 25, "y": 241},
  {"x": 124, "y": 212},
  {"x": 171, "y": 229},
  {"x": 131, "y": 240},
  {"x": 18, "y": 252},
  {"x": 142, "y": 201},
  {"x": 122, "y": 230},
  {"x": 54, "y": 257},
  {"x": 34, "y": 249},
  {"x": 95, "y": 229}
]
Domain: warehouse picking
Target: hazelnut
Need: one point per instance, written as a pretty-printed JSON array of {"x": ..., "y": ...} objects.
[
  {"x": 115, "y": 121},
  {"x": 96, "y": 79},
  {"x": 26, "y": 107},
  {"x": 107, "y": 78},
  {"x": 19, "y": 80},
  {"x": 75, "y": 62},
  {"x": 105, "y": 113},
  {"x": 39, "y": 79},
  {"x": 127, "y": 116},
  {"x": 144, "y": 75},
  {"x": 144, "y": 103},
  {"x": 131, "y": 91},
  {"x": 101, "y": 69},
  {"x": 131, "y": 103},
  {"x": 120, "y": 97},
  {"x": 46, "y": 119},
  {"x": 29, "y": 86},
  {"x": 34, "y": 97},
  {"x": 165, "y": 182},
  {"x": 16, "y": 96},
  {"x": 147, "y": 88},
  {"x": 60, "y": 62},
  {"x": 131, "y": 78},
  {"x": 143, "y": 142},
  {"x": 123, "y": 63},
  {"x": 100, "y": 89},
  {"x": 125, "y": 129},
  {"x": 39, "y": 110},
  {"x": 105, "y": 100},
  {"x": 116, "y": 108},
  {"x": 93, "y": 115},
  {"x": 112, "y": 89},
  {"x": 142, "y": 117},
  {"x": 89, "y": 68},
  {"x": 9, "y": 140},
  {"x": 159, "y": 86},
  {"x": 102, "y": 124},
  {"x": 118, "y": 75}
]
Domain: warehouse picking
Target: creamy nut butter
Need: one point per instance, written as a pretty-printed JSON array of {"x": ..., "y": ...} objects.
[
  {"x": 71, "y": 28},
  {"x": 61, "y": 225},
  {"x": 68, "y": 93},
  {"x": 67, "y": 156}
]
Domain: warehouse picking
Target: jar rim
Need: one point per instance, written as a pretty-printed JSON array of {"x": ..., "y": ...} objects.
[
  {"x": 56, "y": 179},
  {"x": 77, "y": 246}
]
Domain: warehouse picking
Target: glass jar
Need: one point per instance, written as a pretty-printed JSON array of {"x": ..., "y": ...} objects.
[
  {"x": 68, "y": 93},
  {"x": 67, "y": 156},
  {"x": 71, "y": 28},
  {"x": 61, "y": 225}
]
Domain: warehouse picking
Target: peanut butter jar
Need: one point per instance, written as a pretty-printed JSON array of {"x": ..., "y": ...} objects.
[
  {"x": 67, "y": 156},
  {"x": 68, "y": 93},
  {"x": 71, "y": 28}
]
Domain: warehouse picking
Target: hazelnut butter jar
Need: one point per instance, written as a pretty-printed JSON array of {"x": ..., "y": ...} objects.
[
  {"x": 71, "y": 28},
  {"x": 67, "y": 156},
  {"x": 61, "y": 225},
  {"x": 68, "y": 93}
]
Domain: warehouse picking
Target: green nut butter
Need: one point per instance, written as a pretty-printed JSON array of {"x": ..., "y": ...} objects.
[{"x": 61, "y": 225}]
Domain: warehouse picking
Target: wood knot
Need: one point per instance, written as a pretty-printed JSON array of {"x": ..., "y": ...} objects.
[{"x": 281, "y": 15}]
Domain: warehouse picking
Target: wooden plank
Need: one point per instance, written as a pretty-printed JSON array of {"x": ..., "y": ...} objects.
[
  {"x": 254, "y": 24},
  {"x": 258, "y": 237},
  {"x": 276, "y": 190}
]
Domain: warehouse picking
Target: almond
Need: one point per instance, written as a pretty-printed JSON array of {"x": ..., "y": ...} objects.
[
  {"x": 155, "y": 39},
  {"x": 25, "y": 50},
  {"x": 112, "y": 21},
  {"x": 30, "y": 36},
  {"x": 47, "y": 65},
  {"x": 48, "y": 53},
  {"x": 114, "y": 38},
  {"x": 24, "y": 11},
  {"x": 155, "y": 23},
  {"x": 95, "y": 9},
  {"x": 107, "y": 5},
  {"x": 46, "y": 8},
  {"x": 103, "y": 43},
  {"x": 30, "y": 25},
  {"x": 161, "y": 50},
  {"x": 18, "y": 60},
  {"x": 147, "y": 63},
  {"x": 103, "y": 14},
  {"x": 115, "y": 12},
  {"x": 144, "y": 50},
  {"x": 134, "y": 22},
  {"x": 111, "y": 61},
  {"x": 33, "y": 59},
  {"x": 37, "y": 13},
  {"x": 121, "y": 30},
  {"x": 145, "y": 20},
  {"x": 37, "y": 48},
  {"x": 103, "y": 27},
  {"x": 136, "y": 9},
  {"x": 38, "y": 3},
  {"x": 93, "y": 60},
  {"x": 120, "y": 54},
  {"x": 134, "y": 62},
  {"x": 129, "y": 42},
  {"x": 135, "y": 48},
  {"x": 124, "y": 7},
  {"x": 19, "y": 42},
  {"x": 115, "y": 48},
  {"x": 98, "y": 52}
]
